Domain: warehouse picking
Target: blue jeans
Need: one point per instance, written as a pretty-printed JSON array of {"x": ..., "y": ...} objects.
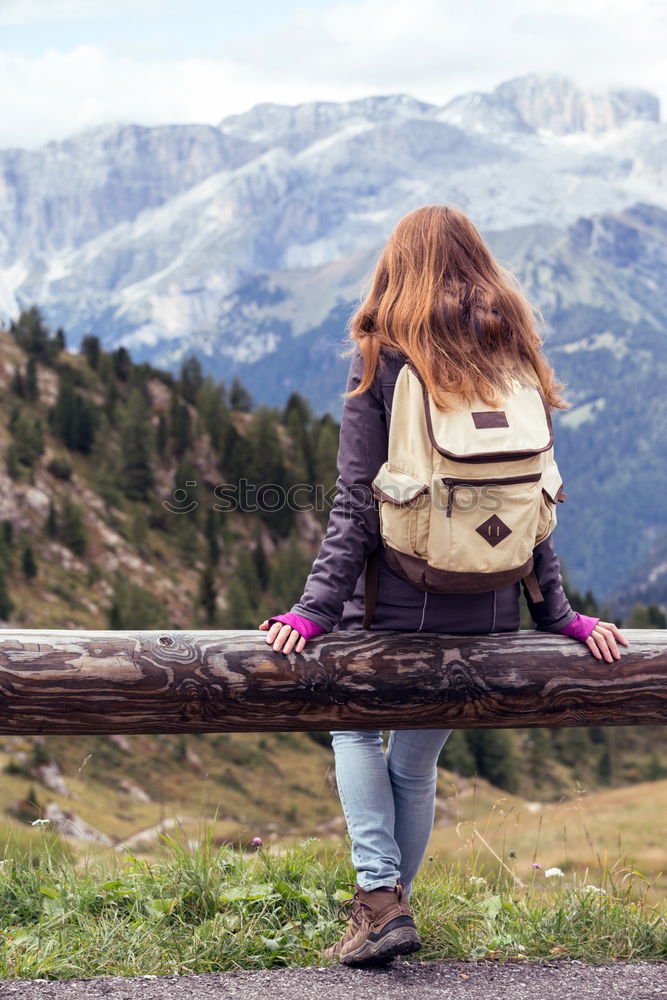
[{"x": 389, "y": 803}]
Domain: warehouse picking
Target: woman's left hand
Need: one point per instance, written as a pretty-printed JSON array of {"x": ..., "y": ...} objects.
[
  {"x": 284, "y": 638},
  {"x": 603, "y": 640}
]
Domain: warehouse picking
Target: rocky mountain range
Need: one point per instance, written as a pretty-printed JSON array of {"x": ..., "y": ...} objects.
[{"x": 248, "y": 244}]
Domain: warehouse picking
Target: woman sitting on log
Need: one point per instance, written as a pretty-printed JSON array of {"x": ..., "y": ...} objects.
[{"x": 446, "y": 496}]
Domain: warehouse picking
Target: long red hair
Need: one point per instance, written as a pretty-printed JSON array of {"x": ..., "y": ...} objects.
[{"x": 439, "y": 296}]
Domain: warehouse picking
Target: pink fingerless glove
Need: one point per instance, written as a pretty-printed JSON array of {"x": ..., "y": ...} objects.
[
  {"x": 304, "y": 626},
  {"x": 580, "y": 627}
]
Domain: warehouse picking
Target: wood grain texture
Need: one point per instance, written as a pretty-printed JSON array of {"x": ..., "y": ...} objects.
[{"x": 69, "y": 682}]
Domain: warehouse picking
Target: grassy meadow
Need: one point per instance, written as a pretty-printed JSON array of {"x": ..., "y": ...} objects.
[
  {"x": 198, "y": 908},
  {"x": 622, "y": 830},
  {"x": 505, "y": 879}
]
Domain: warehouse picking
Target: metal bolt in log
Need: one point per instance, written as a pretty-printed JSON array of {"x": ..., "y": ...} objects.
[{"x": 76, "y": 683}]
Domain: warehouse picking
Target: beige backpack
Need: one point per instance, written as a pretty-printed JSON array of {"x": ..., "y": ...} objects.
[{"x": 466, "y": 494}]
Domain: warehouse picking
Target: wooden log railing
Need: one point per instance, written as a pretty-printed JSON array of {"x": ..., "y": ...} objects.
[{"x": 71, "y": 682}]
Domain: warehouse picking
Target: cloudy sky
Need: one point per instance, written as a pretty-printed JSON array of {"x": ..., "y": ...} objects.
[{"x": 70, "y": 64}]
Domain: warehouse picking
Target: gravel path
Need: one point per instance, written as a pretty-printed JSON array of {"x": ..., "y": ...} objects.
[{"x": 557, "y": 980}]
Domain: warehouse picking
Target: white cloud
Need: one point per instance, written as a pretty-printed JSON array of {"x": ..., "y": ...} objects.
[
  {"x": 440, "y": 45},
  {"x": 432, "y": 49},
  {"x": 22, "y": 12},
  {"x": 61, "y": 93}
]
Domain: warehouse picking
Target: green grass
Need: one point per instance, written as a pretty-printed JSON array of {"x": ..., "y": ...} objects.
[{"x": 201, "y": 908}]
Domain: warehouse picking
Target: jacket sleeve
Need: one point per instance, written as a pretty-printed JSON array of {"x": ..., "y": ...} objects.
[
  {"x": 353, "y": 530},
  {"x": 554, "y": 612}
]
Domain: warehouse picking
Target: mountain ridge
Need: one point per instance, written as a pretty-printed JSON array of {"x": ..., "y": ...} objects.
[{"x": 257, "y": 237}]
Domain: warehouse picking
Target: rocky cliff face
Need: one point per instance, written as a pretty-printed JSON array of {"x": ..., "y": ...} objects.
[
  {"x": 557, "y": 105},
  {"x": 139, "y": 233}
]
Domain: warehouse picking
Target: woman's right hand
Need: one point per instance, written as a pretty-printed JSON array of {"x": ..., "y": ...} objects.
[
  {"x": 283, "y": 638},
  {"x": 603, "y": 640}
]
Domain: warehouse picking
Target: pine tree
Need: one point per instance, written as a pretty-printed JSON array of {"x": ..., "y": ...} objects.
[
  {"x": 214, "y": 413},
  {"x": 27, "y": 437},
  {"x": 17, "y": 384},
  {"x": 59, "y": 467},
  {"x": 236, "y": 457},
  {"x": 326, "y": 451},
  {"x": 51, "y": 525},
  {"x": 240, "y": 611},
  {"x": 136, "y": 473},
  {"x": 654, "y": 770},
  {"x": 180, "y": 428},
  {"x": 31, "y": 383},
  {"x": 456, "y": 755},
  {"x": 239, "y": 397},
  {"x": 72, "y": 528},
  {"x": 211, "y": 532},
  {"x": 207, "y": 593},
  {"x": 7, "y": 533},
  {"x": 603, "y": 768},
  {"x": 108, "y": 377},
  {"x": 262, "y": 567},
  {"x": 494, "y": 756},
  {"x": 190, "y": 378},
  {"x": 297, "y": 419},
  {"x": 161, "y": 436},
  {"x": 539, "y": 754},
  {"x": 266, "y": 471},
  {"x": 139, "y": 528},
  {"x": 28, "y": 563},
  {"x": 6, "y": 603},
  {"x": 90, "y": 348},
  {"x": 289, "y": 570},
  {"x": 646, "y": 616},
  {"x": 572, "y": 746},
  {"x": 72, "y": 417},
  {"x": 134, "y": 607},
  {"x": 187, "y": 483},
  {"x": 33, "y": 335},
  {"x": 122, "y": 363},
  {"x": 12, "y": 464}
]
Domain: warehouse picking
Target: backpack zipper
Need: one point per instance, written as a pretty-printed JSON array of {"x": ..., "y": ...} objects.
[{"x": 451, "y": 483}]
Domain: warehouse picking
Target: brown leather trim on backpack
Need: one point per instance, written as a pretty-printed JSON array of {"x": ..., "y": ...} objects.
[
  {"x": 370, "y": 588},
  {"x": 482, "y": 456},
  {"x": 532, "y": 588},
  {"x": 381, "y": 495},
  {"x": 441, "y": 581}
]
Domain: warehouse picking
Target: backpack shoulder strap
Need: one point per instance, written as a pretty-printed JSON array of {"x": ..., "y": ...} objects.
[{"x": 370, "y": 588}]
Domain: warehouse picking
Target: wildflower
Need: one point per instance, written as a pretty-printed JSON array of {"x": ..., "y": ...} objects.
[
  {"x": 535, "y": 865},
  {"x": 40, "y": 822},
  {"x": 595, "y": 888},
  {"x": 477, "y": 880},
  {"x": 553, "y": 872},
  {"x": 257, "y": 841}
]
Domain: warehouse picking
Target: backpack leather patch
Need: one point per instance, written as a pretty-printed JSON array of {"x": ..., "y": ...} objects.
[
  {"x": 494, "y": 530},
  {"x": 489, "y": 418}
]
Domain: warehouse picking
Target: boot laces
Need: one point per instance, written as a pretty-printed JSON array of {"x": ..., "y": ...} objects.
[{"x": 348, "y": 910}]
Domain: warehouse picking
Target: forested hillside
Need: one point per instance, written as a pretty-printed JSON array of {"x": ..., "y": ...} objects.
[{"x": 113, "y": 502}]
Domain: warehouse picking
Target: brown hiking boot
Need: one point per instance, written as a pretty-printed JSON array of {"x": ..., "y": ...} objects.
[{"x": 380, "y": 927}]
